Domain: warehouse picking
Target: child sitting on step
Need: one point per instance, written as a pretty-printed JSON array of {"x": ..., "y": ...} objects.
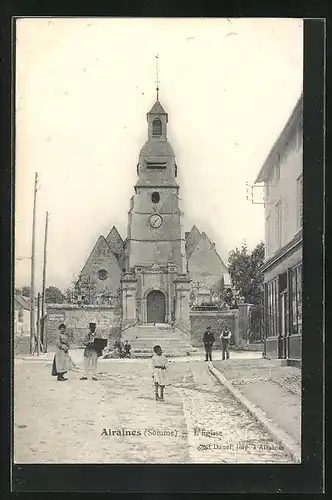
[{"x": 159, "y": 372}]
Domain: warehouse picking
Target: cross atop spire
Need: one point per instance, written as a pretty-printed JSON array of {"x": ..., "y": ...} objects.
[{"x": 157, "y": 76}]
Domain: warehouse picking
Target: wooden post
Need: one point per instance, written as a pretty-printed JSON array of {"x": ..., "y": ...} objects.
[
  {"x": 33, "y": 256},
  {"x": 38, "y": 324},
  {"x": 43, "y": 307}
]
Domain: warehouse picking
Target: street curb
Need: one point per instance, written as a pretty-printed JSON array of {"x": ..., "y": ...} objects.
[
  {"x": 276, "y": 432},
  {"x": 26, "y": 358}
]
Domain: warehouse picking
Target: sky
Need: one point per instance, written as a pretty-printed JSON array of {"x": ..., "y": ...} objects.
[{"x": 83, "y": 88}]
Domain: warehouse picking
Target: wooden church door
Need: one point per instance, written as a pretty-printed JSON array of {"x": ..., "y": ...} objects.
[{"x": 156, "y": 307}]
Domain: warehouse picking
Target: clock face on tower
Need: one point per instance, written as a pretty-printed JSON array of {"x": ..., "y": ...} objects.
[{"x": 155, "y": 221}]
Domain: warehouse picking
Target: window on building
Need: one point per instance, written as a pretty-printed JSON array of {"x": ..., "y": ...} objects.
[
  {"x": 272, "y": 304},
  {"x": 296, "y": 290},
  {"x": 279, "y": 224},
  {"x": 156, "y": 127},
  {"x": 267, "y": 189},
  {"x": 155, "y": 166},
  {"x": 268, "y": 235},
  {"x": 155, "y": 197},
  {"x": 277, "y": 169},
  {"x": 300, "y": 200}
]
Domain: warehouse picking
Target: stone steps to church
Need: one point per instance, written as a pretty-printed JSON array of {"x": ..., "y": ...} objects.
[
  {"x": 156, "y": 335},
  {"x": 172, "y": 347},
  {"x": 151, "y": 342},
  {"x": 143, "y": 338},
  {"x": 171, "y": 353},
  {"x": 152, "y": 332}
]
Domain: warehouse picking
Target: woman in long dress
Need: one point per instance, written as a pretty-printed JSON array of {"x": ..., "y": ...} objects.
[
  {"x": 159, "y": 364},
  {"x": 61, "y": 361}
]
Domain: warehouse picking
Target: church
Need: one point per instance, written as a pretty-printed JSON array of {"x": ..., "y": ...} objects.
[{"x": 155, "y": 271}]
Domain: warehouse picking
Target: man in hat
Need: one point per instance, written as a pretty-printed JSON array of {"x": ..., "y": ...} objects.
[
  {"x": 208, "y": 340},
  {"x": 90, "y": 353},
  {"x": 225, "y": 338}
]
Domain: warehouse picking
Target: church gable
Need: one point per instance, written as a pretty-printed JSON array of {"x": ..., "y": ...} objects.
[
  {"x": 101, "y": 248},
  {"x": 116, "y": 244},
  {"x": 192, "y": 238},
  {"x": 205, "y": 264},
  {"x": 114, "y": 241},
  {"x": 101, "y": 272},
  {"x": 157, "y": 109}
]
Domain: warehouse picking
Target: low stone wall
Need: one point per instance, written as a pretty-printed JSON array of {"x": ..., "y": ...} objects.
[
  {"x": 77, "y": 319},
  {"x": 21, "y": 344},
  {"x": 217, "y": 320}
]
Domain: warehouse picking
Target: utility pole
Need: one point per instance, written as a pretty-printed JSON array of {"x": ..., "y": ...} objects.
[
  {"x": 38, "y": 324},
  {"x": 33, "y": 257},
  {"x": 43, "y": 307}
]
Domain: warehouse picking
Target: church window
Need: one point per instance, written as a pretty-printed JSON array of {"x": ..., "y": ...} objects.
[
  {"x": 156, "y": 166},
  {"x": 102, "y": 274},
  {"x": 155, "y": 197},
  {"x": 156, "y": 127}
]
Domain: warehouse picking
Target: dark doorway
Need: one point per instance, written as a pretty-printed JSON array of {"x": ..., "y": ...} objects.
[{"x": 156, "y": 307}]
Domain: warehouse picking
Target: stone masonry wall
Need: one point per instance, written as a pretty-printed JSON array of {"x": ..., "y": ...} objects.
[
  {"x": 77, "y": 319},
  {"x": 200, "y": 320}
]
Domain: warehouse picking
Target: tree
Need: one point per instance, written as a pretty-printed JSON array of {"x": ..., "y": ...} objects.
[
  {"x": 245, "y": 270},
  {"x": 53, "y": 295}
]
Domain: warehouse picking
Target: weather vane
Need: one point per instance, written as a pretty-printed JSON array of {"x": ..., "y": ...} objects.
[{"x": 157, "y": 77}]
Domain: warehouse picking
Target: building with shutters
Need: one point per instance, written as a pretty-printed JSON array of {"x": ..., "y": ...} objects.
[
  {"x": 282, "y": 176},
  {"x": 153, "y": 270}
]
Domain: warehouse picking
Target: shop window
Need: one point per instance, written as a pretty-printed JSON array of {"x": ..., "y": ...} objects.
[
  {"x": 296, "y": 288},
  {"x": 272, "y": 308},
  {"x": 279, "y": 224},
  {"x": 299, "y": 194}
]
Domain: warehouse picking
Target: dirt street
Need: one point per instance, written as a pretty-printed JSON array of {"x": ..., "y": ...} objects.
[{"x": 117, "y": 420}]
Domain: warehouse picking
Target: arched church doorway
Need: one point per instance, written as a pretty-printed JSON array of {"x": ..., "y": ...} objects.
[{"x": 156, "y": 307}]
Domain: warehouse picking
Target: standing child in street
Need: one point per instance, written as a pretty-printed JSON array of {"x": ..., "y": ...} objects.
[{"x": 159, "y": 372}]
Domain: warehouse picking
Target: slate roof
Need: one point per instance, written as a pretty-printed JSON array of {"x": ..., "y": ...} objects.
[
  {"x": 100, "y": 245},
  {"x": 157, "y": 109},
  {"x": 114, "y": 241},
  {"x": 21, "y": 301},
  {"x": 204, "y": 235},
  {"x": 192, "y": 238}
]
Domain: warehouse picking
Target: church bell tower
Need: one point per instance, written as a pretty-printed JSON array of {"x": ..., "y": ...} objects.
[
  {"x": 154, "y": 233},
  {"x": 155, "y": 248}
]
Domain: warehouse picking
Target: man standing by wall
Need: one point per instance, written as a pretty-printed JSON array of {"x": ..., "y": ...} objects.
[
  {"x": 225, "y": 338},
  {"x": 208, "y": 341},
  {"x": 90, "y": 353}
]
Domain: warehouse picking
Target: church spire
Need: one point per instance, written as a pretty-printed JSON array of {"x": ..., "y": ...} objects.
[{"x": 157, "y": 76}]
